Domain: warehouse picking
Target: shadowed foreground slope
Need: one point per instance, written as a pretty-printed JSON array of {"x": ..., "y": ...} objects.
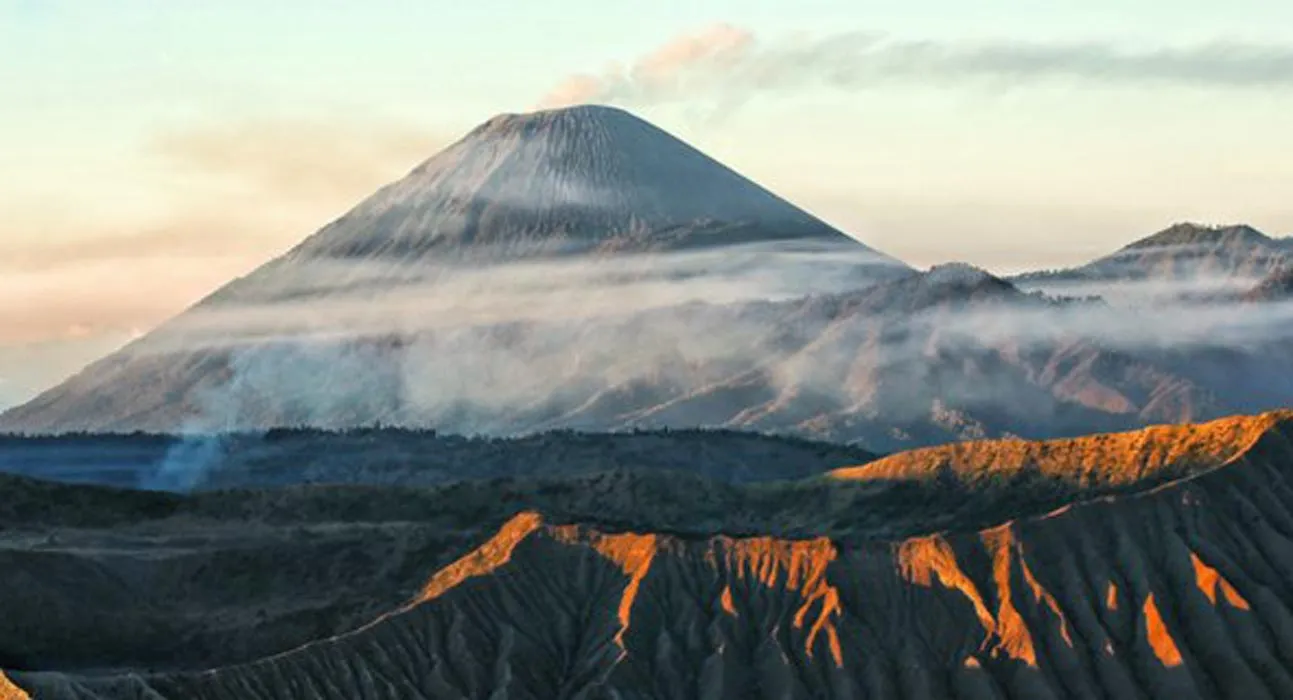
[
  {"x": 1169, "y": 573},
  {"x": 396, "y": 457}
]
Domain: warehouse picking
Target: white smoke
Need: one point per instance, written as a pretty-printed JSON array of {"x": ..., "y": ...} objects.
[
  {"x": 333, "y": 299},
  {"x": 663, "y": 339},
  {"x": 731, "y": 64}
]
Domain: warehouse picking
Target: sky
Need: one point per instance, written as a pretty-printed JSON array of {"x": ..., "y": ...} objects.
[{"x": 154, "y": 149}]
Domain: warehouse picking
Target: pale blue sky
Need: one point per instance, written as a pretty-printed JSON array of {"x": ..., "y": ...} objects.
[{"x": 153, "y": 148}]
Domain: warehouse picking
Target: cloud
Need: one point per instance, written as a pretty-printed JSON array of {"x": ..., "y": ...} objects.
[
  {"x": 28, "y": 368},
  {"x": 340, "y": 299},
  {"x": 595, "y": 346},
  {"x": 731, "y": 64},
  {"x": 668, "y": 68},
  {"x": 78, "y": 299},
  {"x": 1164, "y": 325},
  {"x": 1144, "y": 291},
  {"x": 230, "y": 197},
  {"x": 479, "y": 348},
  {"x": 299, "y": 160}
]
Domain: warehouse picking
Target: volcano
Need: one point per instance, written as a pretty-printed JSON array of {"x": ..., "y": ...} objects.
[
  {"x": 586, "y": 185},
  {"x": 561, "y": 181}
]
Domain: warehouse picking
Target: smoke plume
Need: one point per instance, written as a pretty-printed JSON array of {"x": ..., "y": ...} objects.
[{"x": 731, "y": 64}]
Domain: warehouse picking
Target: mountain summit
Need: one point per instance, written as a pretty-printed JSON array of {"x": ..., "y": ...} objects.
[
  {"x": 562, "y": 181},
  {"x": 1182, "y": 252},
  {"x": 1185, "y": 234}
]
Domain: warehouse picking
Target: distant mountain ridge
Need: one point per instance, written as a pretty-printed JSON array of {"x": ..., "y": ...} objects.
[
  {"x": 1183, "y": 234},
  {"x": 1182, "y": 251}
]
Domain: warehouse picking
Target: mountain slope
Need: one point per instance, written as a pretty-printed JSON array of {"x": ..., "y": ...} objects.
[
  {"x": 394, "y": 457},
  {"x": 562, "y": 181},
  {"x": 1166, "y": 575},
  {"x": 1277, "y": 286},
  {"x": 952, "y": 353},
  {"x": 577, "y": 212}
]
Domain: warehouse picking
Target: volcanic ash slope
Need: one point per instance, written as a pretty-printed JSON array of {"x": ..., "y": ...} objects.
[{"x": 1175, "y": 582}]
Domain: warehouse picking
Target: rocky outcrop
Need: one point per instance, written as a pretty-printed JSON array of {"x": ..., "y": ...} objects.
[{"x": 1086, "y": 464}]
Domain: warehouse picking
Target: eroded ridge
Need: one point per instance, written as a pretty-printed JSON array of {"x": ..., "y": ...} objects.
[
  {"x": 9, "y": 691},
  {"x": 1179, "y": 591},
  {"x": 1087, "y": 463}
]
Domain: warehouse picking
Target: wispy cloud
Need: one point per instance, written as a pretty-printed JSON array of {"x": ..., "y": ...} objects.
[
  {"x": 229, "y": 196},
  {"x": 731, "y": 63},
  {"x": 568, "y": 343},
  {"x": 356, "y": 299},
  {"x": 232, "y": 196},
  {"x": 300, "y": 160}
]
